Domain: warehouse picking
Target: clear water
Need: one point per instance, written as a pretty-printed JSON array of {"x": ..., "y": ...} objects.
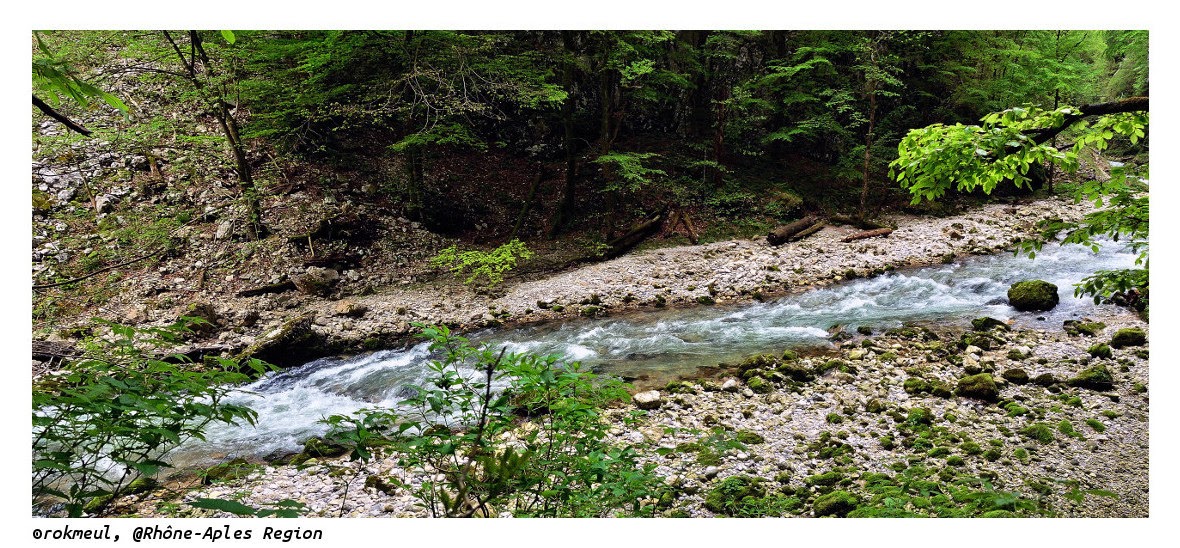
[{"x": 665, "y": 343}]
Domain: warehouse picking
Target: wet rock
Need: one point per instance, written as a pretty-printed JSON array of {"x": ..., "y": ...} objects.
[{"x": 1033, "y": 295}]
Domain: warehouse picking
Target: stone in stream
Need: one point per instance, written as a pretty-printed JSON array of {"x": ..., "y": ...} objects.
[{"x": 1033, "y": 295}]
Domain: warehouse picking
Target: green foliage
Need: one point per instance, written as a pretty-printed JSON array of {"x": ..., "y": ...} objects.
[
  {"x": 559, "y": 463},
  {"x": 286, "y": 508},
  {"x": 58, "y": 79},
  {"x": 630, "y": 170},
  {"x": 916, "y": 491},
  {"x": 937, "y": 158},
  {"x": 489, "y": 265},
  {"x": 115, "y": 413}
]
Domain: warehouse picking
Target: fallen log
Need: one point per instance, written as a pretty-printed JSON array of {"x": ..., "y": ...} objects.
[
  {"x": 808, "y": 232},
  {"x": 867, "y": 234},
  {"x": 53, "y": 350},
  {"x": 783, "y": 233},
  {"x": 633, "y": 237}
]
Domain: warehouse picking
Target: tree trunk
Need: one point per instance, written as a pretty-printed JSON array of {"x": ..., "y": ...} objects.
[
  {"x": 634, "y": 236},
  {"x": 565, "y": 210},
  {"x": 528, "y": 202},
  {"x": 783, "y": 233},
  {"x": 229, "y": 126},
  {"x": 867, "y": 234}
]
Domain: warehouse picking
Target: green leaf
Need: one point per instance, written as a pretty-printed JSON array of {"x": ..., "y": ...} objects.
[
  {"x": 231, "y": 506},
  {"x": 229, "y": 36}
]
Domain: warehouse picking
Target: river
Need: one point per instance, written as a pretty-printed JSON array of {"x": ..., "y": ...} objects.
[{"x": 661, "y": 344}]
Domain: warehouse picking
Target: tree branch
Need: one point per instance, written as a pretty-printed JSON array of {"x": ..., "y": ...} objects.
[
  {"x": 1131, "y": 104},
  {"x": 59, "y": 117}
]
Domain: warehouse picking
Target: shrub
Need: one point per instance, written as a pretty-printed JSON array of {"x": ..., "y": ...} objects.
[
  {"x": 490, "y": 265},
  {"x": 115, "y": 413},
  {"x": 560, "y": 466}
]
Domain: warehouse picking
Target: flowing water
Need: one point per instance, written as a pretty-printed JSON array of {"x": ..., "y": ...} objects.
[{"x": 663, "y": 344}]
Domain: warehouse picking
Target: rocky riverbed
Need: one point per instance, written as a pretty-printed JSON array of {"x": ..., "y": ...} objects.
[
  {"x": 295, "y": 326},
  {"x": 1061, "y": 423}
]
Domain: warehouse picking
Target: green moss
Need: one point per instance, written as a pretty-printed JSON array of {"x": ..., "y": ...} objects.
[
  {"x": 971, "y": 448},
  {"x": 1110, "y": 414},
  {"x": 226, "y": 471},
  {"x": 939, "y": 452},
  {"x": 875, "y": 406},
  {"x": 706, "y": 300},
  {"x": 729, "y": 495},
  {"x": 955, "y": 460},
  {"x": 1100, "y": 350},
  {"x": 1045, "y": 379},
  {"x": 836, "y": 503},
  {"x": 987, "y": 324},
  {"x": 980, "y": 386},
  {"x": 1066, "y": 427},
  {"x": 919, "y": 416},
  {"x": 1033, "y": 295},
  {"x": 864, "y": 330},
  {"x": 759, "y": 385},
  {"x": 1097, "y": 377},
  {"x": 1015, "y": 409},
  {"x": 1021, "y": 453},
  {"x": 1078, "y": 328},
  {"x": 1038, "y": 431},
  {"x": 915, "y": 385},
  {"x": 1129, "y": 336},
  {"x": 749, "y": 437},
  {"x": 992, "y": 454},
  {"x": 887, "y": 442},
  {"x": 1015, "y": 376},
  {"x": 831, "y": 477},
  {"x": 680, "y": 387}
]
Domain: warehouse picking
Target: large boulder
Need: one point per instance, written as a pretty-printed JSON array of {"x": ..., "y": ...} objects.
[
  {"x": 1033, "y": 295},
  {"x": 317, "y": 281}
]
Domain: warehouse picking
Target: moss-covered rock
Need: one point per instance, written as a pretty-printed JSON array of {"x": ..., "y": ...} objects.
[
  {"x": 836, "y": 503},
  {"x": 1097, "y": 377},
  {"x": 1015, "y": 376},
  {"x": 749, "y": 437},
  {"x": 831, "y": 477},
  {"x": 294, "y": 342},
  {"x": 1033, "y": 295},
  {"x": 727, "y": 497},
  {"x": 1130, "y": 336},
  {"x": 1045, "y": 379},
  {"x": 981, "y": 387},
  {"x": 1078, "y": 328},
  {"x": 915, "y": 385},
  {"x": 234, "y": 469},
  {"x": 1038, "y": 431},
  {"x": 706, "y": 300},
  {"x": 1100, "y": 351},
  {"x": 986, "y": 323},
  {"x": 920, "y": 416},
  {"x": 759, "y": 385}
]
